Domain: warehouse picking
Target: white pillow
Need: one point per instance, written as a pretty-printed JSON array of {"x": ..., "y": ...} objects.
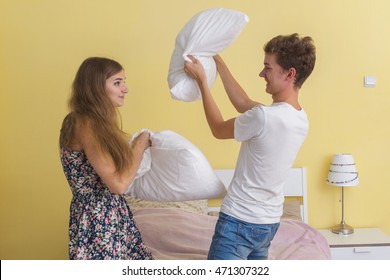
[
  {"x": 205, "y": 35},
  {"x": 178, "y": 172}
]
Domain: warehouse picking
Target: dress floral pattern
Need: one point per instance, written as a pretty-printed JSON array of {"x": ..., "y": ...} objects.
[{"x": 101, "y": 223}]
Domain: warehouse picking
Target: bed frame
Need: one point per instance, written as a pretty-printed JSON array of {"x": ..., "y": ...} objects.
[{"x": 296, "y": 186}]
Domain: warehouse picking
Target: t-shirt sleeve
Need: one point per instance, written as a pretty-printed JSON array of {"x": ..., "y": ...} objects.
[{"x": 249, "y": 124}]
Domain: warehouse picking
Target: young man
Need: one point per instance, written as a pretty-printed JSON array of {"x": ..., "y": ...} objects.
[{"x": 271, "y": 137}]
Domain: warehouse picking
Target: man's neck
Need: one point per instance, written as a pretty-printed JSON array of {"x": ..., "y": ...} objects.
[{"x": 290, "y": 97}]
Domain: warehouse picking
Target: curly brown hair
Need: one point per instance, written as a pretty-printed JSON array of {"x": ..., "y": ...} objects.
[{"x": 294, "y": 52}]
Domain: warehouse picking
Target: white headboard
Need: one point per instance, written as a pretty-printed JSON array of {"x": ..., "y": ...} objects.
[{"x": 295, "y": 185}]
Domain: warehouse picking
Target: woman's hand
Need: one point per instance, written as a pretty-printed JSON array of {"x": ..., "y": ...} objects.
[{"x": 142, "y": 141}]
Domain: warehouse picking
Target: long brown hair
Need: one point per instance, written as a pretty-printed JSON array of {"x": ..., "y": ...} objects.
[{"x": 89, "y": 104}]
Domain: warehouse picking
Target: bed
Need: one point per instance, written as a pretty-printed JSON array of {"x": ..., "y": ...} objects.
[{"x": 183, "y": 230}]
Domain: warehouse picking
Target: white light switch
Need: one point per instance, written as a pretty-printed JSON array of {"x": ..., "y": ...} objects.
[{"x": 369, "y": 81}]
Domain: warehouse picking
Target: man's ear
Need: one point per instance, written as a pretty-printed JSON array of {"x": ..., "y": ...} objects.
[{"x": 291, "y": 73}]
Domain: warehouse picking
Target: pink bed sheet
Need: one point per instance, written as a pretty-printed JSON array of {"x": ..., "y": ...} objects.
[{"x": 177, "y": 234}]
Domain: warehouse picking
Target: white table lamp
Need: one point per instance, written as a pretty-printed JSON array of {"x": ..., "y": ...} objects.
[{"x": 342, "y": 173}]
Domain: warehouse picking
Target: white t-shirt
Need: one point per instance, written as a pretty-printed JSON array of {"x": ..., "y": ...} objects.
[{"x": 271, "y": 137}]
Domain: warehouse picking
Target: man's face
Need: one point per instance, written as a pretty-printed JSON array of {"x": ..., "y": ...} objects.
[{"x": 274, "y": 75}]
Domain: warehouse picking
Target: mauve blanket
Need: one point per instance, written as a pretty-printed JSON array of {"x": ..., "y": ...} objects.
[{"x": 177, "y": 234}]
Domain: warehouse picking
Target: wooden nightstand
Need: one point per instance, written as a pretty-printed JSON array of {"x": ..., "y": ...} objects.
[{"x": 363, "y": 244}]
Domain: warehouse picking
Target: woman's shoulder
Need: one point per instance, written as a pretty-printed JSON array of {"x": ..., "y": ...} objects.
[{"x": 74, "y": 129}]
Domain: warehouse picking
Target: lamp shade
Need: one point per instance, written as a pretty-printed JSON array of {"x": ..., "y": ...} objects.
[{"x": 342, "y": 172}]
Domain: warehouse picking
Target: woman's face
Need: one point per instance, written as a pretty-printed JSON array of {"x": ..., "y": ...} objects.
[{"x": 116, "y": 88}]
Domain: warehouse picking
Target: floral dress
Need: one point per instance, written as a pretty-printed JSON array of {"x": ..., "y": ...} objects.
[{"x": 101, "y": 223}]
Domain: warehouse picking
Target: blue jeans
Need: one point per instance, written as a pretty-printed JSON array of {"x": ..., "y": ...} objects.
[{"x": 238, "y": 240}]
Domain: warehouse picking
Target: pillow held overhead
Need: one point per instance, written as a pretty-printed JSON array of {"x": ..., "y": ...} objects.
[{"x": 205, "y": 35}]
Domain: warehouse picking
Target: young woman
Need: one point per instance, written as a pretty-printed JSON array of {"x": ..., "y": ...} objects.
[{"x": 100, "y": 164}]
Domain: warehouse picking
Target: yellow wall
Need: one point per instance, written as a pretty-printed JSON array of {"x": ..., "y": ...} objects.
[{"x": 43, "y": 42}]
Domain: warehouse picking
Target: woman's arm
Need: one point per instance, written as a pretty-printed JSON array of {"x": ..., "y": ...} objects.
[
  {"x": 104, "y": 165},
  {"x": 237, "y": 95},
  {"x": 220, "y": 128}
]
